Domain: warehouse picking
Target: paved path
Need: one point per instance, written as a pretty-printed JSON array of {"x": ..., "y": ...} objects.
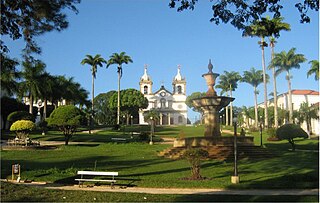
[
  {"x": 192, "y": 191},
  {"x": 202, "y": 191}
]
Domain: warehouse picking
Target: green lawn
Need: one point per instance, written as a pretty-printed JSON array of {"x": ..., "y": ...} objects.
[{"x": 139, "y": 165}]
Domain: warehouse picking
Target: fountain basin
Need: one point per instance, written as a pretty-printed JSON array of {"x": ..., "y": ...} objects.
[{"x": 211, "y": 105}]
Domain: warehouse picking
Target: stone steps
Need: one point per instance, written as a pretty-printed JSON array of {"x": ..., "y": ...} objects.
[{"x": 222, "y": 152}]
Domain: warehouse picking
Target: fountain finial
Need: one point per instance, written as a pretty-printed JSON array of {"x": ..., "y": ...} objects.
[{"x": 210, "y": 66}]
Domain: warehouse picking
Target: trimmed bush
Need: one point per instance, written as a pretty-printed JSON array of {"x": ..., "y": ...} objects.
[
  {"x": 20, "y": 115},
  {"x": 67, "y": 119},
  {"x": 289, "y": 132},
  {"x": 22, "y": 128}
]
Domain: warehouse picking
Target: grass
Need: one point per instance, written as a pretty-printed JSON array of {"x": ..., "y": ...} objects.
[
  {"x": 139, "y": 165},
  {"x": 28, "y": 194}
]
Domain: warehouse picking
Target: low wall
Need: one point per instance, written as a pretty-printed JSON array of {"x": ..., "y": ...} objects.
[{"x": 212, "y": 141}]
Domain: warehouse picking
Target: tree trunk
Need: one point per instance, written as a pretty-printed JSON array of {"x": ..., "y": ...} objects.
[
  {"x": 30, "y": 104},
  {"x": 45, "y": 101},
  {"x": 92, "y": 105},
  {"x": 118, "y": 106},
  {"x": 290, "y": 98},
  {"x": 227, "y": 115},
  {"x": 195, "y": 170},
  {"x": 231, "y": 107},
  {"x": 255, "y": 108},
  {"x": 275, "y": 100},
  {"x": 265, "y": 85},
  {"x": 66, "y": 139}
]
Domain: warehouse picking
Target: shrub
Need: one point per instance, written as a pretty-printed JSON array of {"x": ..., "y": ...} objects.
[
  {"x": 194, "y": 157},
  {"x": 22, "y": 128},
  {"x": 67, "y": 119},
  {"x": 20, "y": 115},
  {"x": 289, "y": 132}
]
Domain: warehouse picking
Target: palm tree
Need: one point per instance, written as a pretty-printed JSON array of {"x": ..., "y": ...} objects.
[
  {"x": 224, "y": 90},
  {"x": 94, "y": 62},
  {"x": 9, "y": 75},
  {"x": 32, "y": 72},
  {"x": 314, "y": 69},
  {"x": 306, "y": 113},
  {"x": 274, "y": 26},
  {"x": 285, "y": 62},
  {"x": 258, "y": 28},
  {"x": 119, "y": 59},
  {"x": 255, "y": 78},
  {"x": 230, "y": 79},
  {"x": 46, "y": 90}
]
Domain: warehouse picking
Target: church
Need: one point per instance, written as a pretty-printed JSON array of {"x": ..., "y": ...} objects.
[{"x": 170, "y": 104}]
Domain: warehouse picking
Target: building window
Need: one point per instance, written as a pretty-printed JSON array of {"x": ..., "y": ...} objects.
[
  {"x": 180, "y": 119},
  {"x": 179, "y": 89},
  {"x": 162, "y": 103},
  {"x": 145, "y": 89}
]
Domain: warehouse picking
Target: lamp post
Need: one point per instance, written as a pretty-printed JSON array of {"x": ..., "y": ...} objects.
[
  {"x": 152, "y": 131},
  {"x": 260, "y": 131},
  {"x": 131, "y": 119},
  {"x": 235, "y": 178}
]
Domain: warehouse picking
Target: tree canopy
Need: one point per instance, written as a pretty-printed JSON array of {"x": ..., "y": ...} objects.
[
  {"x": 240, "y": 13},
  {"x": 30, "y": 18}
]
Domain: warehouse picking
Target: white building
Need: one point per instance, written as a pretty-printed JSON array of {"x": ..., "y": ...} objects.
[
  {"x": 298, "y": 97},
  {"x": 171, "y": 105}
]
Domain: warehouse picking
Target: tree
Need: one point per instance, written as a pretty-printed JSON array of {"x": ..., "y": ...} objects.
[
  {"x": 30, "y": 18},
  {"x": 32, "y": 81},
  {"x": 193, "y": 96},
  {"x": 194, "y": 157},
  {"x": 306, "y": 113},
  {"x": 131, "y": 100},
  {"x": 9, "y": 105},
  {"x": 66, "y": 119},
  {"x": 314, "y": 69},
  {"x": 274, "y": 26},
  {"x": 103, "y": 113},
  {"x": 255, "y": 78},
  {"x": 154, "y": 113},
  {"x": 289, "y": 132},
  {"x": 285, "y": 62},
  {"x": 9, "y": 75},
  {"x": 119, "y": 59},
  {"x": 259, "y": 29},
  {"x": 94, "y": 62},
  {"x": 230, "y": 80},
  {"x": 239, "y": 13}
]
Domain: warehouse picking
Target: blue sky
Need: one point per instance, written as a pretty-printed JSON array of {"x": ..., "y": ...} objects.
[{"x": 152, "y": 33}]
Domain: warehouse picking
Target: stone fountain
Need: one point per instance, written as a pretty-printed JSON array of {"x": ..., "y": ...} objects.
[{"x": 211, "y": 104}]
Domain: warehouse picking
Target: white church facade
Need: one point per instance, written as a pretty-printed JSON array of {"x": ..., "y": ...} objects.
[{"x": 170, "y": 104}]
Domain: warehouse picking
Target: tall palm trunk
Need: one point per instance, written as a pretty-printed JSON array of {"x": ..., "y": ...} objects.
[
  {"x": 231, "y": 106},
  {"x": 45, "y": 101},
  {"x": 118, "y": 106},
  {"x": 275, "y": 99},
  {"x": 31, "y": 104},
  {"x": 265, "y": 85},
  {"x": 92, "y": 105},
  {"x": 227, "y": 114},
  {"x": 255, "y": 107},
  {"x": 290, "y": 98}
]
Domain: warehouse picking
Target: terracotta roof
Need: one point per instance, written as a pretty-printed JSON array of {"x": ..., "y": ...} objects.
[{"x": 305, "y": 92}]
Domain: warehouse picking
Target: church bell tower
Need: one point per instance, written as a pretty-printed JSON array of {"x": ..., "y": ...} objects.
[
  {"x": 179, "y": 83},
  {"x": 146, "y": 82}
]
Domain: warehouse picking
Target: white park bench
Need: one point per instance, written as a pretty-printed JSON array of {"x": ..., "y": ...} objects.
[
  {"x": 118, "y": 139},
  {"x": 96, "y": 173}
]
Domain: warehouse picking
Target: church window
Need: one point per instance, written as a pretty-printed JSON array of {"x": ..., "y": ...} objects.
[
  {"x": 163, "y": 103},
  {"x": 179, "y": 89},
  {"x": 180, "y": 119},
  {"x": 145, "y": 89}
]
